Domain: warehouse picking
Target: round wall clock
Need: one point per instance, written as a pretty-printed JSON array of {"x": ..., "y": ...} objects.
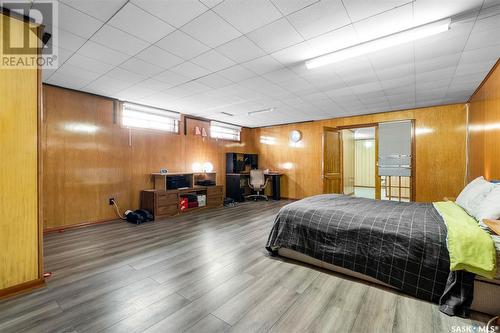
[{"x": 295, "y": 136}]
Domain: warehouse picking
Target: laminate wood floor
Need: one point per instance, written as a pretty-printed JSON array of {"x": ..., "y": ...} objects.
[{"x": 203, "y": 272}]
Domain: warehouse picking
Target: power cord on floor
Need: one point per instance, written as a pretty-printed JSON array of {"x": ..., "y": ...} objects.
[{"x": 117, "y": 209}]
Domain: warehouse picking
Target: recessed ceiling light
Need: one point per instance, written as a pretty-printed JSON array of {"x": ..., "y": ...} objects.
[
  {"x": 381, "y": 43},
  {"x": 260, "y": 111}
]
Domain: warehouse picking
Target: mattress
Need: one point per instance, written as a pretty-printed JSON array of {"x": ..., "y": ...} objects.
[{"x": 400, "y": 244}]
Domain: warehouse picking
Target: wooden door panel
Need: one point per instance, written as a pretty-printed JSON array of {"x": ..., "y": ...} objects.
[{"x": 332, "y": 161}]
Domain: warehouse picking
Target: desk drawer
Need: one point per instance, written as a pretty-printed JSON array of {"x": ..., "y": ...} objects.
[
  {"x": 165, "y": 198},
  {"x": 212, "y": 190},
  {"x": 169, "y": 210}
]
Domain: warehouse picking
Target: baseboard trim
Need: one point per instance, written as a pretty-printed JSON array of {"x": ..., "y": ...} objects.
[
  {"x": 76, "y": 226},
  {"x": 22, "y": 288}
]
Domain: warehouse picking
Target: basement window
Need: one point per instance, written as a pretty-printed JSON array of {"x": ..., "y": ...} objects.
[
  {"x": 138, "y": 116},
  {"x": 224, "y": 131}
]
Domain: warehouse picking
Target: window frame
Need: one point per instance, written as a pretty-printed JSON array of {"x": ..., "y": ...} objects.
[
  {"x": 177, "y": 117},
  {"x": 219, "y": 124}
]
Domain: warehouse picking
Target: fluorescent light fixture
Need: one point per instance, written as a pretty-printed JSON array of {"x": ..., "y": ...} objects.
[
  {"x": 260, "y": 111},
  {"x": 227, "y": 114},
  {"x": 381, "y": 43}
]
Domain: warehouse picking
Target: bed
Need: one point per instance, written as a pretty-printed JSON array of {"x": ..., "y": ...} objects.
[{"x": 397, "y": 244}]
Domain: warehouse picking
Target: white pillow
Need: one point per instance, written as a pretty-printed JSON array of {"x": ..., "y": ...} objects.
[
  {"x": 490, "y": 207},
  {"x": 473, "y": 195}
]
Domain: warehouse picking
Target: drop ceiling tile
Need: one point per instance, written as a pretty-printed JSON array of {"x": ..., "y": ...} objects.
[
  {"x": 214, "y": 81},
  {"x": 334, "y": 40},
  {"x": 159, "y": 57},
  {"x": 248, "y": 15},
  {"x": 236, "y": 73},
  {"x": 262, "y": 65},
  {"x": 125, "y": 76},
  {"x": 472, "y": 68},
  {"x": 395, "y": 71},
  {"x": 69, "y": 41},
  {"x": 287, "y": 7},
  {"x": 483, "y": 39},
  {"x": 443, "y": 73},
  {"x": 139, "y": 66},
  {"x": 141, "y": 24},
  {"x": 319, "y": 18},
  {"x": 100, "y": 9},
  {"x": 429, "y": 85},
  {"x": 171, "y": 78},
  {"x": 428, "y": 11},
  {"x": 72, "y": 77},
  {"x": 294, "y": 54},
  {"x": 89, "y": 64},
  {"x": 210, "y": 29},
  {"x": 182, "y": 45},
  {"x": 211, "y": 3},
  {"x": 102, "y": 53},
  {"x": 190, "y": 70},
  {"x": 77, "y": 22},
  {"x": 437, "y": 49},
  {"x": 119, "y": 40},
  {"x": 275, "y": 36},
  {"x": 107, "y": 86},
  {"x": 213, "y": 61},
  {"x": 240, "y": 49},
  {"x": 384, "y": 24},
  {"x": 394, "y": 56},
  {"x": 436, "y": 63},
  {"x": 483, "y": 54},
  {"x": 176, "y": 13},
  {"x": 362, "y": 9}
]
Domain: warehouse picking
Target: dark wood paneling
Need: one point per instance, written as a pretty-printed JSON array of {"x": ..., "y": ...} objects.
[
  {"x": 89, "y": 158},
  {"x": 484, "y": 128}
]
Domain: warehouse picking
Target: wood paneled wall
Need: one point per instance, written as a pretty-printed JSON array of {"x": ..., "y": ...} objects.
[
  {"x": 89, "y": 157},
  {"x": 440, "y": 151},
  {"x": 484, "y": 128},
  {"x": 20, "y": 237}
]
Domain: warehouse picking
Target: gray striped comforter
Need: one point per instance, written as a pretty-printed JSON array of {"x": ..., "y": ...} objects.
[{"x": 401, "y": 244}]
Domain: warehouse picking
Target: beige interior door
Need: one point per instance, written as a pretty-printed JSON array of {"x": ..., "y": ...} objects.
[
  {"x": 348, "y": 157},
  {"x": 332, "y": 161}
]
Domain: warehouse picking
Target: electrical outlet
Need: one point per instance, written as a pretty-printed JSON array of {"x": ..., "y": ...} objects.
[{"x": 111, "y": 200}]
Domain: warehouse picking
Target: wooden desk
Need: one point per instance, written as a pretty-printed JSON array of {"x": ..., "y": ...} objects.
[{"x": 237, "y": 185}]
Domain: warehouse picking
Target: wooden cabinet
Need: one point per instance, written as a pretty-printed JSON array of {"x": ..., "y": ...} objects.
[{"x": 166, "y": 203}]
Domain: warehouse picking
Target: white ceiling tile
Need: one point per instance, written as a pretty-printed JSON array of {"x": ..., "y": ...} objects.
[
  {"x": 289, "y": 6},
  {"x": 213, "y": 61},
  {"x": 190, "y": 70},
  {"x": 334, "y": 40},
  {"x": 119, "y": 40},
  {"x": 436, "y": 63},
  {"x": 77, "y": 22},
  {"x": 177, "y": 12},
  {"x": 319, "y": 18},
  {"x": 106, "y": 85},
  {"x": 395, "y": 20},
  {"x": 472, "y": 68},
  {"x": 123, "y": 75},
  {"x": 248, "y": 15},
  {"x": 484, "y": 54},
  {"x": 139, "y": 66},
  {"x": 428, "y": 10},
  {"x": 102, "y": 53},
  {"x": 210, "y": 29},
  {"x": 263, "y": 65},
  {"x": 361, "y": 9},
  {"x": 159, "y": 57},
  {"x": 440, "y": 74},
  {"x": 72, "y": 77},
  {"x": 100, "y": 9},
  {"x": 274, "y": 36},
  {"x": 141, "y": 24},
  {"x": 215, "y": 81},
  {"x": 89, "y": 64},
  {"x": 69, "y": 41},
  {"x": 211, "y": 3},
  {"x": 182, "y": 45},
  {"x": 236, "y": 73},
  {"x": 240, "y": 49},
  {"x": 293, "y": 54},
  {"x": 171, "y": 78}
]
